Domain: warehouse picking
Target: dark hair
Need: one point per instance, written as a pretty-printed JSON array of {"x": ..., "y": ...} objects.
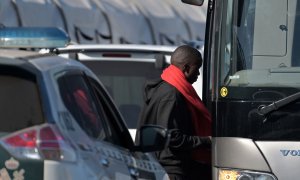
[{"x": 185, "y": 54}]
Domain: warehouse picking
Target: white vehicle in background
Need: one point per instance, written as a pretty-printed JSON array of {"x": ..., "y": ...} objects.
[{"x": 123, "y": 69}]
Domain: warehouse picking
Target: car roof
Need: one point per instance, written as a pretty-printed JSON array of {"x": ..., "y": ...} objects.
[
  {"x": 119, "y": 47},
  {"x": 115, "y": 52},
  {"x": 159, "y": 54}
]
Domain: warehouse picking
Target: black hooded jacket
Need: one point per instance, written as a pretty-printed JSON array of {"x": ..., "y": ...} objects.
[{"x": 165, "y": 106}]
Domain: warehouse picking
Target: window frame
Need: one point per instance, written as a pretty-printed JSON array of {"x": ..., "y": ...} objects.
[{"x": 116, "y": 121}]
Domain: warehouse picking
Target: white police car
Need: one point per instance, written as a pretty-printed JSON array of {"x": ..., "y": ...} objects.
[
  {"x": 124, "y": 68},
  {"x": 58, "y": 121}
]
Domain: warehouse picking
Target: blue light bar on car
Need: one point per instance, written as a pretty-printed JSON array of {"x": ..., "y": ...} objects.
[{"x": 33, "y": 37}]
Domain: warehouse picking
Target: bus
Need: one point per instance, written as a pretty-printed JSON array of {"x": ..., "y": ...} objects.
[{"x": 251, "y": 82}]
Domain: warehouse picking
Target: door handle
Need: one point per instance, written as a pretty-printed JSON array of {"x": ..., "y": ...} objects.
[
  {"x": 104, "y": 162},
  {"x": 134, "y": 172}
]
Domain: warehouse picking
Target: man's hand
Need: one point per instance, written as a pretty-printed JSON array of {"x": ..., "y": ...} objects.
[{"x": 205, "y": 140}]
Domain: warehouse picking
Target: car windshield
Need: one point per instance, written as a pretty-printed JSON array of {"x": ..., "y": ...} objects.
[
  {"x": 259, "y": 63},
  {"x": 125, "y": 80},
  {"x": 19, "y": 100}
]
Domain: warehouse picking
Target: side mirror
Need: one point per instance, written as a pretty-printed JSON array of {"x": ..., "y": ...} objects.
[
  {"x": 193, "y": 2},
  {"x": 152, "y": 138}
]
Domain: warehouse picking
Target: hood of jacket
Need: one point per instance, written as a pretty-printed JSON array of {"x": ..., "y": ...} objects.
[{"x": 150, "y": 89}]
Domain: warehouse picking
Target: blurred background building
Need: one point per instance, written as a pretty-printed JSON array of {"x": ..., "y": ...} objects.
[{"x": 161, "y": 22}]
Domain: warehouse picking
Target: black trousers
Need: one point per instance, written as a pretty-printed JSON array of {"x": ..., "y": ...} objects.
[
  {"x": 200, "y": 171},
  {"x": 196, "y": 171},
  {"x": 177, "y": 177}
]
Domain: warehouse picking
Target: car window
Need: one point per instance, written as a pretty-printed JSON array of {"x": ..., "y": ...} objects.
[
  {"x": 78, "y": 99},
  {"x": 124, "y": 81},
  {"x": 20, "y": 103},
  {"x": 117, "y": 132}
]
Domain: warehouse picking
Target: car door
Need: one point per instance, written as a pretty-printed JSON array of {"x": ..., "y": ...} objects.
[
  {"x": 81, "y": 121},
  {"x": 118, "y": 140}
]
